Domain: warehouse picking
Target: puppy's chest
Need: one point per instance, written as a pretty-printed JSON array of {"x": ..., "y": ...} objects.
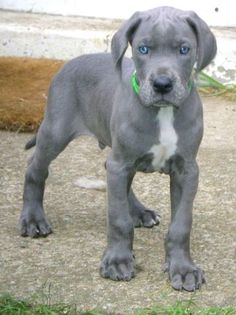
[{"x": 166, "y": 145}]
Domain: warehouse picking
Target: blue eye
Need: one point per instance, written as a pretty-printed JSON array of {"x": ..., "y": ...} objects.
[
  {"x": 143, "y": 50},
  {"x": 184, "y": 50}
]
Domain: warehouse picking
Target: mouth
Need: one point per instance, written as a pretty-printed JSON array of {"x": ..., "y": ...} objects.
[{"x": 162, "y": 104}]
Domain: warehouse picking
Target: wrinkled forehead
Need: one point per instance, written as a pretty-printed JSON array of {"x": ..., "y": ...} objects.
[{"x": 164, "y": 29}]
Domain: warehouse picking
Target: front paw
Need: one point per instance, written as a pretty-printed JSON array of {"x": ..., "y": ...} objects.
[
  {"x": 117, "y": 265},
  {"x": 184, "y": 275}
]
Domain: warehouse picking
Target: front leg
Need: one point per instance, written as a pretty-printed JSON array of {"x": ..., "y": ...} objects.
[
  {"x": 183, "y": 273},
  {"x": 118, "y": 260}
]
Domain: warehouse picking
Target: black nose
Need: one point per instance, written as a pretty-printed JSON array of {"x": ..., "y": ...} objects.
[{"x": 162, "y": 84}]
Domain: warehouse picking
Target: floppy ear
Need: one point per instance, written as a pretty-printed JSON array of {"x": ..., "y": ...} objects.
[
  {"x": 205, "y": 39},
  {"x": 122, "y": 37}
]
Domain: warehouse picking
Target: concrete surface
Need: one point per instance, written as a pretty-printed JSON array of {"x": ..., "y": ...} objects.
[
  {"x": 60, "y": 37},
  {"x": 213, "y": 11},
  {"x": 56, "y": 37},
  {"x": 66, "y": 263}
]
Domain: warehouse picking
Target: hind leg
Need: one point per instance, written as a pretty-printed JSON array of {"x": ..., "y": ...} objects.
[
  {"x": 50, "y": 142},
  {"x": 140, "y": 214}
]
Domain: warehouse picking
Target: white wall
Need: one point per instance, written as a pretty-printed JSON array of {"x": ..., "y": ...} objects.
[{"x": 215, "y": 12}]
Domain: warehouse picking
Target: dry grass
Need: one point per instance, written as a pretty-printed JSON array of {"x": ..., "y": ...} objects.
[
  {"x": 23, "y": 91},
  {"x": 209, "y": 86}
]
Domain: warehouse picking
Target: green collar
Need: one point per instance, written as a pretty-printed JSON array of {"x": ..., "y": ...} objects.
[
  {"x": 135, "y": 83},
  {"x": 136, "y": 86},
  {"x": 190, "y": 85}
]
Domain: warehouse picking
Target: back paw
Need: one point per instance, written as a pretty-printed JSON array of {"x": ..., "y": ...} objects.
[
  {"x": 146, "y": 218},
  {"x": 34, "y": 224}
]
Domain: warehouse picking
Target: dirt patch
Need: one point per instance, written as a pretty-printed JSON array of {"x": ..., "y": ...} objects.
[{"x": 24, "y": 86}]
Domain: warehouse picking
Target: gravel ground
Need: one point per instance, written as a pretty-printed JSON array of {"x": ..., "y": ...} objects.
[{"x": 64, "y": 266}]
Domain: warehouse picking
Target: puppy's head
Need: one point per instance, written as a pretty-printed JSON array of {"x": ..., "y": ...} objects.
[{"x": 166, "y": 43}]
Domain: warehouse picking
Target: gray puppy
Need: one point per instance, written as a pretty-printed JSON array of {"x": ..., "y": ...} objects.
[{"x": 148, "y": 110}]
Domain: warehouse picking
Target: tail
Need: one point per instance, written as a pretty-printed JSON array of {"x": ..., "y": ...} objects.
[{"x": 31, "y": 143}]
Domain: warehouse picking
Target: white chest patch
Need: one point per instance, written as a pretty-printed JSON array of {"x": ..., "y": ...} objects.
[{"x": 167, "y": 138}]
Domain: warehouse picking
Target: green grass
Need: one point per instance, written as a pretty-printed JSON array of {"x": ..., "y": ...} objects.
[
  {"x": 211, "y": 87},
  {"x": 12, "y": 306},
  {"x": 187, "y": 308}
]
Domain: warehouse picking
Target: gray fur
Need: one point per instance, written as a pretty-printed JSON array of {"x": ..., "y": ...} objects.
[{"x": 92, "y": 95}]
